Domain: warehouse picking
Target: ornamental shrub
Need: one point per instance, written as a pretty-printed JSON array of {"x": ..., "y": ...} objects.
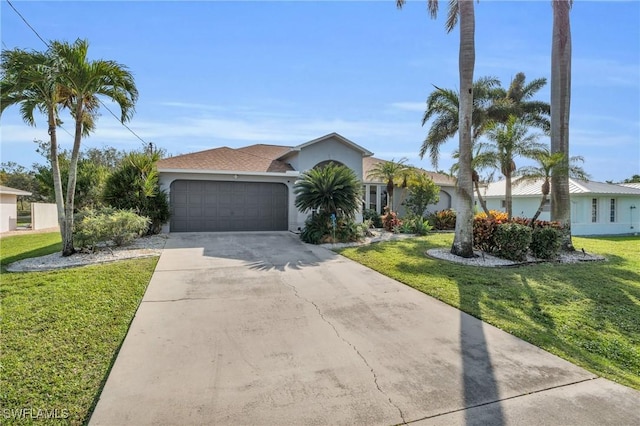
[
  {"x": 512, "y": 241},
  {"x": 95, "y": 227},
  {"x": 390, "y": 220},
  {"x": 373, "y": 216},
  {"x": 443, "y": 220},
  {"x": 545, "y": 242},
  {"x": 498, "y": 216},
  {"x": 484, "y": 233},
  {"x": 315, "y": 227}
]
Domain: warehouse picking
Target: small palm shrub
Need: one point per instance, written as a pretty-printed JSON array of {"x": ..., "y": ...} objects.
[
  {"x": 443, "y": 220},
  {"x": 315, "y": 228},
  {"x": 415, "y": 225},
  {"x": 373, "y": 216},
  {"x": 545, "y": 242},
  {"x": 512, "y": 241}
]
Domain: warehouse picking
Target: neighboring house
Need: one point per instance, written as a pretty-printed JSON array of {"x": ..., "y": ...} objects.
[
  {"x": 9, "y": 207},
  {"x": 375, "y": 192},
  {"x": 251, "y": 188},
  {"x": 596, "y": 208}
]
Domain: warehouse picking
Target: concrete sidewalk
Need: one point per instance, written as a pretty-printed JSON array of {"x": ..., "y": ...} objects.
[{"x": 261, "y": 329}]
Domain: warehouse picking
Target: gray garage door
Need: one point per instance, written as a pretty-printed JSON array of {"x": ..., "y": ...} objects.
[{"x": 207, "y": 206}]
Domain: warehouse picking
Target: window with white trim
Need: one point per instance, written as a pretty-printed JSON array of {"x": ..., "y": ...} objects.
[{"x": 612, "y": 210}]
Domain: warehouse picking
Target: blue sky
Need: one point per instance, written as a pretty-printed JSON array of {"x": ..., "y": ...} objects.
[{"x": 231, "y": 74}]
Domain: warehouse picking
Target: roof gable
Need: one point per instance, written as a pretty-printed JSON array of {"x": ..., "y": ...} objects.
[{"x": 334, "y": 135}]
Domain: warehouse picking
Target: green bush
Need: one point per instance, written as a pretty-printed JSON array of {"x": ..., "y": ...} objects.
[
  {"x": 315, "y": 227},
  {"x": 512, "y": 241},
  {"x": 94, "y": 227},
  {"x": 545, "y": 242},
  {"x": 373, "y": 216},
  {"x": 415, "y": 225},
  {"x": 443, "y": 220}
]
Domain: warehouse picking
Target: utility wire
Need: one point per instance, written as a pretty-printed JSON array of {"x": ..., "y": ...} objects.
[
  {"x": 99, "y": 100},
  {"x": 28, "y": 24}
]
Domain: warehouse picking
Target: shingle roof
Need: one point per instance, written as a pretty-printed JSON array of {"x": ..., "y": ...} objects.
[
  {"x": 441, "y": 179},
  {"x": 254, "y": 158},
  {"x": 530, "y": 189}
]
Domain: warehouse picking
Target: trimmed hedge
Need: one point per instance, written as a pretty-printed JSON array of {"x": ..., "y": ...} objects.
[{"x": 512, "y": 241}]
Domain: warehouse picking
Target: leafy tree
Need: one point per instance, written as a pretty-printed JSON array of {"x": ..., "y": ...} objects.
[
  {"x": 135, "y": 186},
  {"x": 547, "y": 165},
  {"x": 393, "y": 173},
  {"x": 333, "y": 189},
  {"x": 560, "y": 109},
  {"x": 463, "y": 11},
  {"x": 422, "y": 192},
  {"x": 632, "y": 179},
  {"x": 17, "y": 176},
  {"x": 510, "y": 140}
]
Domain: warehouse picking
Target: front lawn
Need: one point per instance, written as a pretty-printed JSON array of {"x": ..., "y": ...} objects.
[
  {"x": 61, "y": 330},
  {"x": 587, "y": 313}
]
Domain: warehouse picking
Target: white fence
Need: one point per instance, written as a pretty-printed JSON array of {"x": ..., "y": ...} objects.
[{"x": 44, "y": 215}]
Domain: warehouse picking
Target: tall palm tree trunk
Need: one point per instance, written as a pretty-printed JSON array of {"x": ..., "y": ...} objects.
[
  {"x": 67, "y": 239},
  {"x": 560, "y": 108},
  {"x": 481, "y": 200},
  {"x": 508, "y": 194},
  {"x": 55, "y": 170},
  {"x": 463, "y": 239}
]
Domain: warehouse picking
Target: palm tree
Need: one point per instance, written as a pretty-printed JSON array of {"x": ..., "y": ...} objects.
[
  {"x": 29, "y": 80},
  {"x": 517, "y": 101},
  {"x": 443, "y": 105},
  {"x": 510, "y": 140},
  {"x": 393, "y": 173},
  {"x": 333, "y": 189},
  {"x": 463, "y": 11},
  {"x": 83, "y": 81},
  {"x": 560, "y": 108},
  {"x": 547, "y": 165},
  {"x": 481, "y": 160}
]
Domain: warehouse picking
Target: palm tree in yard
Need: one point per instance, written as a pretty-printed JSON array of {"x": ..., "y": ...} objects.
[
  {"x": 510, "y": 140},
  {"x": 393, "y": 173},
  {"x": 560, "y": 106},
  {"x": 547, "y": 165},
  {"x": 464, "y": 12},
  {"x": 29, "y": 80},
  {"x": 481, "y": 160},
  {"x": 517, "y": 100},
  {"x": 84, "y": 80},
  {"x": 333, "y": 189}
]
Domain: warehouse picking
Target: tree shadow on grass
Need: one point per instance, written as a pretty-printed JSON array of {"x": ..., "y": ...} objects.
[{"x": 40, "y": 251}]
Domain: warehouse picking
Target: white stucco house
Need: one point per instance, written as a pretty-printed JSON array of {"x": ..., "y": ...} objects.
[
  {"x": 251, "y": 188},
  {"x": 9, "y": 207},
  {"x": 597, "y": 208}
]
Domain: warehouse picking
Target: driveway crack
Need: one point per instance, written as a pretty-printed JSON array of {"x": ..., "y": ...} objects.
[{"x": 351, "y": 345}]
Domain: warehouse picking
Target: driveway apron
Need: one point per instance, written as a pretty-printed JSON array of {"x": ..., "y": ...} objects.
[{"x": 261, "y": 329}]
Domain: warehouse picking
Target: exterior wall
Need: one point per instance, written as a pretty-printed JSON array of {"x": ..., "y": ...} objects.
[
  {"x": 627, "y": 217},
  {"x": 8, "y": 212},
  {"x": 296, "y": 219},
  {"x": 44, "y": 215}
]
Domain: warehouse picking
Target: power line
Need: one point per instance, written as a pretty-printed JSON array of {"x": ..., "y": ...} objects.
[
  {"x": 28, "y": 24},
  {"x": 99, "y": 100}
]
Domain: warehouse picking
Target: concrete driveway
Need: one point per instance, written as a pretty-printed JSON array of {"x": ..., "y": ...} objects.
[{"x": 260, "y": 329}]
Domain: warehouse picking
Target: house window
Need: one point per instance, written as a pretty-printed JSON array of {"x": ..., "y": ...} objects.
[
  {"x": 503, "y": 204},
  {"x": 612, "y": 211},
  {"x": 594, "y": 210},
  {"x": 373, "y": 189}
]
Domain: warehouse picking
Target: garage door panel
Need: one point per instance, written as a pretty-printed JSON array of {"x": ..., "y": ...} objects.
[{"x": 228, "y": 206}]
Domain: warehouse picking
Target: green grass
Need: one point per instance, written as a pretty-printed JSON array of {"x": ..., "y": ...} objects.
[
  {"x": 61, "y": 330},
  {"x": 587, "y": 313}
]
